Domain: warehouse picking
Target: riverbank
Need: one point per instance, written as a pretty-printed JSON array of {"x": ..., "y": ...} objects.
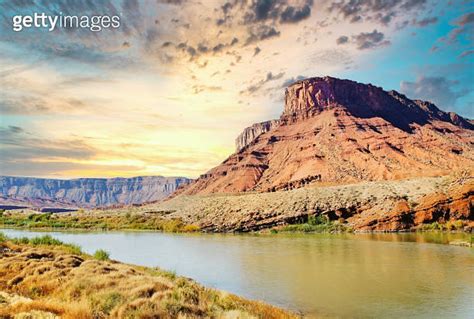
[
  {"x": 93, "y": 220},
  {"x": 149, "y": 221},
  {"x": 44, "y": 277}
]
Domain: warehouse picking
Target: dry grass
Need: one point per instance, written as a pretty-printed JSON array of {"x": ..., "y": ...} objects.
[
  {"x": 95, "y": 221},
  {"x": 67, "y": 285}
]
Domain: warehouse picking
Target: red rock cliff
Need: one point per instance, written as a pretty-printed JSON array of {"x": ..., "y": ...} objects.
[{"x": 340, "y": 131}]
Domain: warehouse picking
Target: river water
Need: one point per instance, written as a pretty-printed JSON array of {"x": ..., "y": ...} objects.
[{"x": 333, "y": 276}]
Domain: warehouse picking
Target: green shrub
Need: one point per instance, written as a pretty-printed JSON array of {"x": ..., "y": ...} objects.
[
  {"x": 317, "y": 220},
  {"x": 43, "y": 217},
  {"x": 45, "y": 240},
  {"x": 101, "y": 255},
  {"x": 21, "y": 240},
  {"x": 74, "y": 249}
]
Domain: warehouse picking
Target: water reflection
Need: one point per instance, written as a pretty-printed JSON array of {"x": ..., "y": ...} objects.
[{"x": 361, "y": 276}]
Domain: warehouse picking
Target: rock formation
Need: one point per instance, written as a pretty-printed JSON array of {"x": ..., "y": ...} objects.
[
  {"x": 88, "y": 192},
  {"x": 336, "y": 131},
  {"x": 250, "y": 133}
]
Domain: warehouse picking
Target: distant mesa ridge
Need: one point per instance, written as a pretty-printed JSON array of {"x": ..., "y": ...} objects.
[
  {"x": 88, "y": 192},
  {"x": 341, "y": 131}
]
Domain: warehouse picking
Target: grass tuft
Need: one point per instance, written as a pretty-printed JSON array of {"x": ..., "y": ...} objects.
[{"x": 101, "y": 255}]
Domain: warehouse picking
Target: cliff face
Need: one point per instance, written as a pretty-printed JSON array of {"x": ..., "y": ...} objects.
[
  {"x": 340, "y": 131},
  {"x": 250, "y": 133},
  {"x": 90, "y": 192},
  {"x": 312, "y": 96}
]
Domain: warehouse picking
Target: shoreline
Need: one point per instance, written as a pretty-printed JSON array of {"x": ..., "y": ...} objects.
[
  {"x": 45, "y": 276},
  {"x": 458, "y": 238}
]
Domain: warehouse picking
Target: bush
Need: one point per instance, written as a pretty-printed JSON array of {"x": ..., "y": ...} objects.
[
  {"x": 74, "y": 249},
  {"x": 45, "y": 240},
  {"x": 191, "y": 228},
  {"x": 101, "y": 255},
  {"x": 40, "y": 217},
  {"x": 21, "y": 240},
  {"x": 317, "y": 220},
  {"x": 172, "y": 226}
]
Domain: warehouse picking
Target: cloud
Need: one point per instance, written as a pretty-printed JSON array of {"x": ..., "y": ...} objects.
[
  {"x": 466, "y": 53},
  {"x": 292, "y": 80},
  {"x": 256, "y": 51},
  {"x": 18, "y": 145},
  {"x": 426, "y": 21},
  {"x": 342, "y": 39},
  {"x": 259, "y": 84},
  {"x": 463, "y": 26},
  {"x": 260, "y": 33},
  {"x": 294, "y": 15},
  {"x": 468, "y": 18},
  {"x": 200, "y": 88},
  {"x": 369, "y": 40},
  {"x": 439, "y": 90},
  {"x": 276, "y": 10},
  {"x": 381, "y": 11}
]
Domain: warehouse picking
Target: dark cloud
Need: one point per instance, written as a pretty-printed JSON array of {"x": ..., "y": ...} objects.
[
  {"x": 426, "y": 21},
  {"x": 465, "y": 19},
  {"x": 262, "y": 10},
  {"x": 218, "y": 48},
  {"x": 202, "y": 48},
  {"x": 342, "y": 39},
  {"x": 294, "y": 15},
  {"x": 262, "y": 18},
  {"x": 258, "y": 85},
  {"x": 412, "y": 4},
  {"x": 256, "y": 51},
  {"x": 439, "y": 90},
  {"x": 369, "y": 40},
  {"x": 260, "y": 33},
  {"x": 378, "y": 10}
]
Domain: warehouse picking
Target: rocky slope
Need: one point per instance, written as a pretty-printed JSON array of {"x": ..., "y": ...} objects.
[
  {"x": 336, "y": 131},
  {"x": 250, "y": 133},
  {"x": 87, "y": 192},
  {"x": 366, "y": 206}
]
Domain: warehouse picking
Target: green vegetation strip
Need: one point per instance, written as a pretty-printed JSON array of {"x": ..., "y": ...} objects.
[
  {"x": 94, "y": 222},
  {"x": 316, "y": 224}
]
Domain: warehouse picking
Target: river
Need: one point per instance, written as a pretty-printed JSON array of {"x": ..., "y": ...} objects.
[{"x": 333, "y": 276}]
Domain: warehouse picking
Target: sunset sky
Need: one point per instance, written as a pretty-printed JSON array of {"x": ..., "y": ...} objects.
[{"x": 168, "y": 92}]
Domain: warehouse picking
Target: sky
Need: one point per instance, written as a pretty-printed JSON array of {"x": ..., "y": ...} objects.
[{"x": 168, "y": 91}]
